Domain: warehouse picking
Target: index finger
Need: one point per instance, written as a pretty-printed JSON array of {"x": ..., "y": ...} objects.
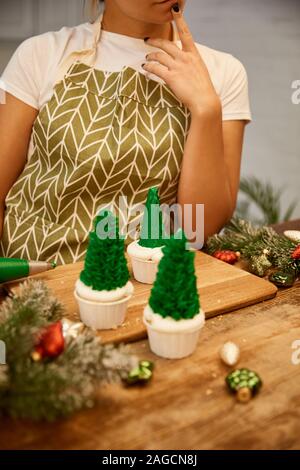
[{"x": 183, "y": 30}]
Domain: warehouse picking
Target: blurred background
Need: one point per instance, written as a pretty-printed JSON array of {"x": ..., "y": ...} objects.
[{"x": 265, "y": 36}]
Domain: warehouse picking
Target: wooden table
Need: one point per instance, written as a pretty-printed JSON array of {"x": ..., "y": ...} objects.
[{"x": 187, "y": 406}]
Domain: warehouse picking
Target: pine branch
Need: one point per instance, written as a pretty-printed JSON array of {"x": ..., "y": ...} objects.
[
  {"x": 262, "y": 247},
  {"x": 51, "y": 388},
  {"x": 236, "y": 235}
]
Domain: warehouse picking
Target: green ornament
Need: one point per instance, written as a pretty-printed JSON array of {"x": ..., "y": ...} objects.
[
  {"x": 245, "y": 383},
  {"x": 105, "y": 266},
  {"x": 152, "y": 228},
  {"x": 259, "y": 265},
  {"x": 282, "y": 279},
  {"x": 174, "y": 293},
  {"x": 140, "y": 374}
]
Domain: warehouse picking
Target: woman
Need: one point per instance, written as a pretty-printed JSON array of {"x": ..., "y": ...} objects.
[{"x": 90, "y": 120}]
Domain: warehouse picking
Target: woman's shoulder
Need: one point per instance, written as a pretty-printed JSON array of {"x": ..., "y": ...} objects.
[
  {"x": 57, "y": 42},
  {"x": 31, "y": 70}
]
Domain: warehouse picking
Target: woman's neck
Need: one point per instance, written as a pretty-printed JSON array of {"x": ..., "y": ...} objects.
[{"x": 115, "y": 22}]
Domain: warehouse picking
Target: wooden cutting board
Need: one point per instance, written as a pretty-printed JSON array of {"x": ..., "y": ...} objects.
[{"x": 223, "y": 288}]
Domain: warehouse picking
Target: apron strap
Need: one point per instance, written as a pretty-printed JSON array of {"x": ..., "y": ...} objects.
[{"x": 87, "y": 56}]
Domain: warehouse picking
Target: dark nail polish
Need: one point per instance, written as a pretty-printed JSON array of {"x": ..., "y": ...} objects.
[
  {"x": 175, "y": 7},
  {"x": 145, "y": 39},
  {"x": 143, "y": 64}
]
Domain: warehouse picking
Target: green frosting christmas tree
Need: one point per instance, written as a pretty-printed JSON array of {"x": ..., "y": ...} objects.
[
  {"x": 174, "y": 293},
  {"x": 152, "y": 227},
  {"x": 105, "y": 266}
]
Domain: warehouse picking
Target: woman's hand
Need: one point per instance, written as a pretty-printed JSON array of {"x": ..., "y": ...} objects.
[{"x": 184, "y": 71}]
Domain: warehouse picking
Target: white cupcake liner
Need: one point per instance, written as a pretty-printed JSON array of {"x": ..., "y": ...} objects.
[
  {"x": 144, "y": 271},
  {"x": 102, "y": 315},
  {"x": 173, "y": 344}
]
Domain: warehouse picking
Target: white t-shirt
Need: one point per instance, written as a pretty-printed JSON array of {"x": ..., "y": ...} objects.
[{"x": 33, "y": 70}]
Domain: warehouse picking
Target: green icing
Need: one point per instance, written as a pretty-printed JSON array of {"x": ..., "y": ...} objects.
[
  {"x": 175, "y": 293},
  {"x": 105, "y": 266},
  {"x": 152, "y": 227}
]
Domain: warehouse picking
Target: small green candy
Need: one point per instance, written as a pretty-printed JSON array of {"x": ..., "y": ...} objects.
[
  {"x": 282, "y": 279},
  {"x": 140, "y": 374},
  {"x": 243, "y": 378}
]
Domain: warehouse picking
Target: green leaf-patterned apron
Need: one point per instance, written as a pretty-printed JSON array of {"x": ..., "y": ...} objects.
[{"x": 104, "y": 135}]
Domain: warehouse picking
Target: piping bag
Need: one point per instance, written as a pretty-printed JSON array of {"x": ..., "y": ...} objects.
[{"x": 13, "y": 268}]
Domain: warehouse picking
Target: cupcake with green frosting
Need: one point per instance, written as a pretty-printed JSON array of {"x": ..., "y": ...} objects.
[
  {"x": 173, "y": 316},
  {"x": 146, "y": 252},
  {"x": 103, "y": 288}
]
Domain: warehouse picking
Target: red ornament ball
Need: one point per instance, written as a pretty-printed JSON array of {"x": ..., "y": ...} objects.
[
  {"x": 228, "y": 256},
  {"x": 296, "y": 253},
  {"x": 51, "y": 342}
]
